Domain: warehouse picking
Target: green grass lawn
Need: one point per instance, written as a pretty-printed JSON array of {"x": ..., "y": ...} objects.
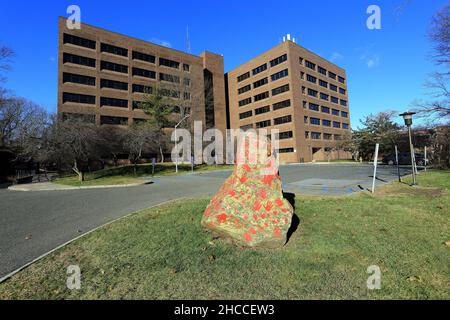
[
  {"x": 163, "y": 253},
  {"x": 125, "y": 174}
]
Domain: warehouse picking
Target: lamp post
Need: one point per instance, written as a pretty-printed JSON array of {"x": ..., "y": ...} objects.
[
  {"x": 176, "y": 139},
  {"x": 407, "y": 117}
]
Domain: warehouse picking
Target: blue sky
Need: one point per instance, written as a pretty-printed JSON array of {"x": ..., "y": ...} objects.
[{"x": 385, "y": 68}]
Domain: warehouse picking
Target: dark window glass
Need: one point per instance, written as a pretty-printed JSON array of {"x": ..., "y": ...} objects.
[
  {"x": 285, "y": 150},
  {"x": 106, "y": 65},
  {"x": 285, "y": 135},
  {"x": 144, "y": 73},
  {"x": 169, "y": 77},
  {"x": 322, "y": 70},
  {"x": 244, "y": 76},
  {"x": 344, "y": 114},
  {"x": 246, "y": 114},
  {"x": 332, "y": 75},
  {"x": 310, "y": 65},
  {"x": 334, "y": 99},
  {"x": 345, "y": 125},
  {"x": 259, "y": 69},
  {"x": 312, "y": 93},
  {"x": 326, "y": 123},
  {"x": 143, "y": 57},
  {"x": 136, "y": 104},
  {"x": 77, "y": 78},
  {"x": 263, "y": 124},
  {"x": 245, "y": 102},
  {"x": 78, "y": 98},
  {"x": 327, "y": 136},
  {"x": 113, "y": 102},
  {"x": 342, "y": 90},
  {"x": 278, "y": 60},
  {"x": 325, "y": 109},
  {"x": 246, "y": 127},
  {"x": 260, "y": 83},
  {"x": 105, "y": 83},
  {"x": 343, "y": 103},
  {"x": 341, "y": 79},
  {"x": 169, "y": 63},
  {"x": 244, "y": 89},
  {"x": 186, "y": 67},
  {"x": 262, "y": 110},
  {"x": 186, "y": 82},
  {"x": 279, "y": 75},
  {"x": 82, "y": 42},
  {"x": 313, "y": 106},
  {"x": 281, "y": 105},
  {"x": 84, "y": 61},
  {"x": 311, "y": 78},
  {"x": 324, "y": 96},
  {"x": 84, "y": 117},
  {"x": 335, "y": 112},
  {"x": 333, "y": 87},
  {"x": 337, "y": 137},
  {"x": 323, "y": 83},
  {"x": 336, "y": 124},
  {"x": 316, "y": 135},
  {"x": 306, "y": 134},
  {"x": 113, "y": 120},
  {"x": 142, "y": 88},
  {"x": 281, "y": 120},
  {"x": 281, "y": 89},
  {"x": 104, "y": 47},
  {"x": 315, "y": 121},
  {"x": 170, "y": 93},
  {"x": 186, "y": 95},
  {"x": 305, "y": 119},
  {"x": 261, "y": 96}
]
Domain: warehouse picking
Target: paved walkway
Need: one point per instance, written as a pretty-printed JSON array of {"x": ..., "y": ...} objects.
[{"x": 33, "y": 223}]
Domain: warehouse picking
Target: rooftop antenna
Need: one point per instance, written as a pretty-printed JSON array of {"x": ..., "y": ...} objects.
[{"x": 188, "y": 42}]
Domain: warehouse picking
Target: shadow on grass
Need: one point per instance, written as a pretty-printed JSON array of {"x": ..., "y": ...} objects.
[{"x": 295, "y": 219}]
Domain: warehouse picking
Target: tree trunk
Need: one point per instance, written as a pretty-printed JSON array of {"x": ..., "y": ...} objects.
[
  {"x": 78, "y": 172},
  {"x": 161, "y": 153}
]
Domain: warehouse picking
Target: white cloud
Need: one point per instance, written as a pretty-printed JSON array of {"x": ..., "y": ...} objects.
[
  {"x": 161, "y": 42},
  {"x": 335, "y": 56},
  {"x": 371, "y": 60},
  {"x": 52, "y": 59}
]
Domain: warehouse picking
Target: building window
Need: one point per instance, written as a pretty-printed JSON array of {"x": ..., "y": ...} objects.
[
  {"x": 300, "y": 60},
  {"x": 279, "y": 75},
  {"x": 333, "y": 87},
  {"x": 244, "y": 76},
  {"x": 313, "y": 106},
  {"x": 186, "y": 82},
  {"x": 344, "y": 114},
  {"x": 342, "y": 90},
  {"x": 87, "y": 118},
  {"x": 334, "y": 99},
  {"x": 304, "y": 104},
  {"x": 186, "y": 95},
  {"x": 259, "y": 69},
  {"x": 246, "y": 127},
  {"x": 113, "y": 102},
  {"x": 144, "y": 73},
  {"x": 341, "y": 79},
  {"x": 260, "y": 83},
  {"x": 246, "y": 114},
  {"x": 281, "y": 120},
  {"x": 312, "y": 93},
  {"x": 332, "y": 75},
  {"x": 186, "y": 67},
  {"x": 244, "y": 89},
  {"x": 262, "y": 110},
  {"x": 315, "y": 121},
  {"x": 324, "y": 96},
  {"x": 84, "y": 61},
  {"x": 245, "y": 102},
  {"x": 327, "y": 136},
  {"x": 336, "y": 124},
  {"x": 169, "y": 63},
  {"x": 343, "y": 103},
  {"x": 324, "y": 109},
  {"x": 262, "y": 124},
  {"x": 302, "y": 75},
  {"x": 310, "y": 65},
  {"x": 306, "y": 134},
  {"x": 77, "y": 78},
  {"x": 337, "y": 137},
  {"x": 335, "y": 112},
  {"x": 113, "y": 49},
  {"x": 137, "y": 104},
  {"x": 278, "y": 60},
  {"x": 113, "y": 120},
  {"x": 281, "y": 105},
  {"x": 316, "y": 135},
  {"x": 285, "y": 150},
  {"x": 170, "y": 93},
  {"x": 322, "y": 70},
  {"x": 281, "y": 89},
  {"x": 143, "y": 57},
  {"x": 344, "y": 125},
  {"x": 285, "y": 135},
  {"x": 169, "y": 77},
  {"x": 261, "y": 96},
  {"x": 323, "y": 83},
  {"x": 82, "y": 42},
  {"x": 311, "y": 78},
  {"x": 142, "y": 89},
  {"x": 105, "y": 83},
  {"x": 78, "y": 98},
  {"x": 106, "y": 65},
  {"x": 326, "y": 123}
]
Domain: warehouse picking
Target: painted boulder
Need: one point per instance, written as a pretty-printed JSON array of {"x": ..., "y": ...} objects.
[{"x": 249, "y": 208}]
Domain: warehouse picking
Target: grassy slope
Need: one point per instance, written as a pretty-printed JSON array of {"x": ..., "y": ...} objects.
[
  {"x": 125, "y": 174},
  {"x": 163, "y": 253}
]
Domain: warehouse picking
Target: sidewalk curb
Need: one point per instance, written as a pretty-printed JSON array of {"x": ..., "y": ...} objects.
[
  {"x": 12, "y": 273},
  {"x": 24, "y": 188}
]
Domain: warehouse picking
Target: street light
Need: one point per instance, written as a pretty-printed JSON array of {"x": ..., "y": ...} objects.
[
  {"x": 176, "y": 139},
  {"x": 407, "y": 116}
]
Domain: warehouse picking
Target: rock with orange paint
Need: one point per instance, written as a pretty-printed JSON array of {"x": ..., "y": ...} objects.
[{"x": 249, "y": 208}]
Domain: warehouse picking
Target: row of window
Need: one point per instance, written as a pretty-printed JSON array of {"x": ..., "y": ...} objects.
[
  {"x": 136, "y": 55},
  {"x": 321, "y": 70},
  {"x": 263, "y": 67},
  {"x": 265, "y": 109},
  {"x": 318, "y": 136},
  {"x": 323, "y": 96},
  {"x": 264, "y": 95},
  {"x": 263, "y": 81},
  {"x": 322, "y": 83},
  {"x": 324, "y": 109},
  {"x": 325, "y": 122}
]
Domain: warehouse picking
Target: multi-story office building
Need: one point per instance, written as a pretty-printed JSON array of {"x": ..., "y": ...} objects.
[
  {"x": 297, "y": 92},
  {"x": 102, "y": 77}
]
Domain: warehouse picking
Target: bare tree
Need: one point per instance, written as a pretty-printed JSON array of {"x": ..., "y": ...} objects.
[
  {"x": 114, "y": 139},
  {"x": 6, "y": 54},
  {"x": 137, "y": 141}
]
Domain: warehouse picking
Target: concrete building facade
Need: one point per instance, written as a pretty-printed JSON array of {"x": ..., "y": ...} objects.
[{"x": 297, "y": 92}]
